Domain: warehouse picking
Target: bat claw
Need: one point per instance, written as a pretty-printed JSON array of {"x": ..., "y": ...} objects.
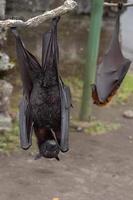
[
  {"x": 38, "y": 156},
  {"x": 57, "y": 158}
]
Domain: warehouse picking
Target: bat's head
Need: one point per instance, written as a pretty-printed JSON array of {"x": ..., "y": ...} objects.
[{"x": 49, "y": 149}]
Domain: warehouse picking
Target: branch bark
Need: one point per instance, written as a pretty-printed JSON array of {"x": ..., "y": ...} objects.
[
  {"x": 116, "y": 4},
  {"x": 68, "y": 5}
]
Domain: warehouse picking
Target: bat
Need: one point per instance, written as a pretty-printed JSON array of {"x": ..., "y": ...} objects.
[
  {"x": 112, "y": 70},
  {"x": 45, "y": 105}
]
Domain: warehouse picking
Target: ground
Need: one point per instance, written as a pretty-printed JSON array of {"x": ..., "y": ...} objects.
[{"x": 97, "y": 167}]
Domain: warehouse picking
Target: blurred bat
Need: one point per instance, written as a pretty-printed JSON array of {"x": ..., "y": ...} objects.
[
  {"x": 46, "y": 101},
  {"x": 112, "y": 70}
]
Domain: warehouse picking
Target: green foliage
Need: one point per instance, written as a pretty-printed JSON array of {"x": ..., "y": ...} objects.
[
  {"x": 9, "y": 140},
  {"x": 99, "y": 127},
  {"x": 76, "y": 87},
  {"x": 126, "y": 89},
  {"x": 94, "y": 127}
]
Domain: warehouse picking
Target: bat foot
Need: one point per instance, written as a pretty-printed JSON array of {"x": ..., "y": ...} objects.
[
  {"x": 57, "y": 158},
  {"x": 38, "y": 156}
]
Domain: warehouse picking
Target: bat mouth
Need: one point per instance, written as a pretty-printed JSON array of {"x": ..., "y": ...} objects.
[{"x": 49, "y": 149}]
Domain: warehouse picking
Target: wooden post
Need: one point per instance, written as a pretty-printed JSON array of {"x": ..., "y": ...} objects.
[{"x": 92, "y": 55}]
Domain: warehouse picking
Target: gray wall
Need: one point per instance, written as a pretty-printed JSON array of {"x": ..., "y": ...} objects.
[
  {"x": 42, "y": 5},
  {"x": 2, "y": 8},
  {"x": 84, "y": 6}
]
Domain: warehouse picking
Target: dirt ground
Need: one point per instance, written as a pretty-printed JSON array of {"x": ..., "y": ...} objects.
[{"x": 96, "y": 167}]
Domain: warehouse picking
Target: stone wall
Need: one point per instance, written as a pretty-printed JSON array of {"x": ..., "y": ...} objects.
[
  {"x": 84, "y": 6},
  {"x": 2, "y": 8},
  {"x": 28, "y": 5},
  {"x": 34, "y": 6},
  {"x": 5, "y": 93},
  {"x": 42, "y": 5}
]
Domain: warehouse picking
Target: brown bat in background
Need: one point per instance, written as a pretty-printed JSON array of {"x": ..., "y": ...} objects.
[
  {"x": 111, "y": 72},
  {"x": 46, "y": 101}
]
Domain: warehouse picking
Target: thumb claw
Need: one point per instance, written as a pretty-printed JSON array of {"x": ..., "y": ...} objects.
[
  {"x": 57, "y": 158},
  {"x": 38, "y": 156}
]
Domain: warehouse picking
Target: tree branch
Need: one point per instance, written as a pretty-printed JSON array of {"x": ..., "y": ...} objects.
[
  {"x": 68, "y": 5},
  {"x": 116, "y": 4}
]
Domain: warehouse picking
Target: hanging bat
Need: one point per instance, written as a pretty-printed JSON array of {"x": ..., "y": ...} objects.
[
  {"x": 111, "y": 72},
  {"x": 46, "y": 101}
]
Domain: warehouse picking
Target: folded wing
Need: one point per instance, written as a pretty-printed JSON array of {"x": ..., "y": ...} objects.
[{"x": 112, "y": 70}]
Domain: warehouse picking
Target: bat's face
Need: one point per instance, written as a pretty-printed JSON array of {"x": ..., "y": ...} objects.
[{"x": 49, "y": 149}]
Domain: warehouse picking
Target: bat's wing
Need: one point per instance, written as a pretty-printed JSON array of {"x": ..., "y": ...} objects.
[
  {"x": 28, "y": 67},
  {"x": 111, "y": 71},
  {"x": 28, "y": 64},
  {"x": 65, "y": 115},
  {"x": 65, "y": 95},
  {"x": 50, "y": 50},
  {"x": 25, "y": 124},
  {"x": 50, "y": 56},
  {"x": 47, "y": 51}
]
